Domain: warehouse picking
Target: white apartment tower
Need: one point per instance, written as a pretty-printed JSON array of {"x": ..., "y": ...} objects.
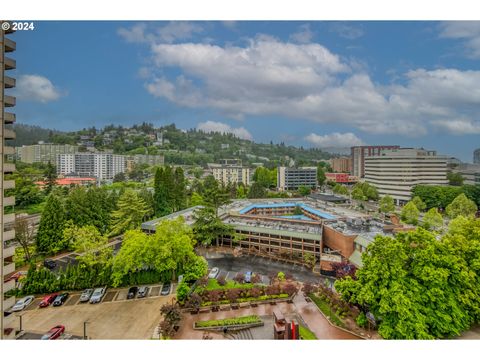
[
  {"x": 395, "y": 172},
  {"x": 103, "y": 166},
  {"x": 230, "y": 174},
  {"x": 7, "y": 234}
]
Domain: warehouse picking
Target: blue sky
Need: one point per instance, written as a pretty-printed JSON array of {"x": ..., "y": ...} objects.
[{"x": 322, "y": 84}]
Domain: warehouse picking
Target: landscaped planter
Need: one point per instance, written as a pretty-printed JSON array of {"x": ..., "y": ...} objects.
[
  {"x": 229, "y": 327},
  {"x": 235, "y": 323}
]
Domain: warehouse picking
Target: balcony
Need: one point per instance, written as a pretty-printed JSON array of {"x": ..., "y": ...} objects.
[
  {"x": 10, "y": 45},
  {"x": 9, "y": 134},
  {"x": 10, "y": 321},
  {"x": 8, "y": 167},
  {"x": 8, "y": 150},
  {"x": 9, "y": 118},
  {"x": 8, "y": 269},
  {"x": 7, "y": 236},
  {"x": 9, "y": 63},
  {"x": 10, "y": 101},
  {"x": 9, "y": 201},
  {"x": 9, "y": 82},
  {"x": 7, "y": 286},
  {"x": 8, "y": 184}
]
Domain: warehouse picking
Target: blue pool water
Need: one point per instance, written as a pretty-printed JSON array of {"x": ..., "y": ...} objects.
[{"x": 295, "y": 217}]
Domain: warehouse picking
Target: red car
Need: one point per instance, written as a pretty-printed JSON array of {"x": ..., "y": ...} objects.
[
  {"x": 47, "y": 300},
  {"x": 54, "y": 333},
  {"x": 17, "y": 276}
]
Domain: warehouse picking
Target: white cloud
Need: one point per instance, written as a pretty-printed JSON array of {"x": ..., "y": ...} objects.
[
  {"x": 459, "y": 126},
  {"x": 469, "y": 31},
  {"x": 214, "y": 126},
  {"x": 304, "y": 34},
  {"x": 36, "y": 88},
  {"x": 169, "y": 33},
  {"x": 230, "y": 24},
  {"x": 334, "y": 140},
  {"x": 268, "y": 77},
  {"x": 346, "y": 31}
]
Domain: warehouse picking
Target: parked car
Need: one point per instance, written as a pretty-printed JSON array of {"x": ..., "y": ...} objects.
[
  {"x": 213, "y": 273},
  {"x": 22, "y": 303},
  {"x": 166, "y": 288},
  {"x": 60, "y": 299},
  {"x": 85, "y": 296},
  {"x": 49, "y": 264},
  {"x": 132, "y": 292},
  {"x": 97, "y": 295},
  {"x": 143, "y": 291},
  {"x": 17, "y": 276},
  {"x": 248, "y": 276},
  {"x": 47, "y": 300},
  {"x": 54, "y": 333}
]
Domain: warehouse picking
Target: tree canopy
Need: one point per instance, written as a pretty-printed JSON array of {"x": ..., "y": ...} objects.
[
  {"x": 386, "y": 204},
  {"x": 52, "y": 222},
  {"x": 131, "y": 210},
  {"x": 410, "y": 213},
  {"x": 461, "y": 205}
]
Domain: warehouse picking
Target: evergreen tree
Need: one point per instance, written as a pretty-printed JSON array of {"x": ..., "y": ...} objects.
[
  {"x": 50, "y": 176},
  {"x": 131, "y": 210},
  {"x": 213, "y": 195},
  {"x": 257, "y": 191},
  {"x": 180, "y": 197},
  {"x": 160, "y": 194},
  {"x": 52, "y": 222}
]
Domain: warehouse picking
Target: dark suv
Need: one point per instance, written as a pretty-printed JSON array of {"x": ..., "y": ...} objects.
[{"x": 49, "y": 264}]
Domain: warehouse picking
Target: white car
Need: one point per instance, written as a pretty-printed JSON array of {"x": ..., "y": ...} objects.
[
  {"x": 97, "y": 295},
  {"x": 213, "y": 273},
  {"x": 23, "y": 303}
]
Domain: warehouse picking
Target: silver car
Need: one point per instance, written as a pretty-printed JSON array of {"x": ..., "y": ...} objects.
[
  {"x": 86, "y": 294},
  {"x": 23, "y": 303},
  {"x": 97, "y": 295},
  {"x": 143, "y": 291}
]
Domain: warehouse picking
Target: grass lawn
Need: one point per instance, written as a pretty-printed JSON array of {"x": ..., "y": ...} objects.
[
  {"x": 214, "y": 285},
  {"x": 249, "y": 319},
  {"x": 326, "y": 310},
  {"x": 306, "y": 334}
]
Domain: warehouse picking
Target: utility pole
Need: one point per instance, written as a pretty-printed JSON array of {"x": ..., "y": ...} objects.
[{"x": 85, "y": 330}]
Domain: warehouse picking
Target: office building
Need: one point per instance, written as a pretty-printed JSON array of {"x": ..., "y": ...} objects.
[
  {"x": 43, "y": 153},
  {"x": 469, "y": 172},
  {"x": 476, "y": 156},
  {"x": 291, "y": 178},
  {"x": 232, "y": 174},
  {"x": 359, "y": 153},
  {"x": 341, "y": 165},
  {"x": 103, "y": 166},
  {"x": 7, "y": 233},
  {"x": 341, "y": 178},
  {"x": 395, "y": 172}
]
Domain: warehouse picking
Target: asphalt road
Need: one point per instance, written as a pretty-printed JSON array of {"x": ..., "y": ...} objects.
[{"x": 260, "y": 265}]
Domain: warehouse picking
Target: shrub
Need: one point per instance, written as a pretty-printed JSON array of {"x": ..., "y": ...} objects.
[
  {"x": 203, "y": 281},
  {"x": 308, "y": 288},
  {"x": 239, "y": 278},
  {"x": 281, "y": 276},
  {"x": 182, "y": 291},
  {"x": 290, "y": 289},
  {"x": 250, "y": 319},
  {"x": 194, "y": 301},
  {"x": 221, "y": 280},
  {"x": 256, "y": 292},
  {"x": 232, "y": 295},
  {"x": 361, "y": 320},
  {"x": 272, "y": 290},
  {"x": 214, "y": 295},
  {"x": 256, "y": 279}
]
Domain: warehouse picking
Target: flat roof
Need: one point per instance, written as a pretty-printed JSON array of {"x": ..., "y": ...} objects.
[
  {"x": 280, "y": 205},
  {"x": 152, "y": 224},
  {"x": 356, "y": 258}
]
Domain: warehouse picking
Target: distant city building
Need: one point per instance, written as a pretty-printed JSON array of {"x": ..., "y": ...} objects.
[
  {"x": 43, "y": 153},
  {"x": 341, "y": 178},
  {"x": 224, "y": 146},
  {"x": 395, "y": 172},
  {"x": 103, "y": 166},
  {"x": 341, "y": 165},
  {"x": 476, "y": 156},
  {"x": 469, "y": 172},
  {"x": 151, "y": 160},
  {"x": 453, "y": 162},
  {"x": 359, "y": 153},
  {"x": 235, "y": 162},
  {"x": 226, "y": 174},
  {"x": 291, "y": 178},
  {"x": 71, "y": 181}
]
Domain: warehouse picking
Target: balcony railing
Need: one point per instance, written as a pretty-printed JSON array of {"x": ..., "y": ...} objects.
[
  {"x": 9, "y": 118},
  {"x": 10, "y": 64},
  {"x": 9, "y": 82},
  {"x": 10, "y": 45},
  {"x": 10, "y": 101}
]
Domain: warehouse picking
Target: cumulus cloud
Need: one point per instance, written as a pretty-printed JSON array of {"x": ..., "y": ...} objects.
[
  {"x": 468, "y": 31},
  {"x": 459, "y": 126},
  {"x": 169, "y": 33},
  {"x": 304, "y": 34},
  {"x": 214, "y": 126},
  {"x": 334, "y": 140},
  {"x": 269, "y": 77},
  {"x": 346, "y": 31},
  {"x": 36, "y": 88}
]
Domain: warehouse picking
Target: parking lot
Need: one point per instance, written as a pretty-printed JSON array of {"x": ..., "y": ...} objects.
[{"x": 114, "y": 318}]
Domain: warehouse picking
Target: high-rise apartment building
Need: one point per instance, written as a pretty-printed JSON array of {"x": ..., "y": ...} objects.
[
  {"x": 232, "y": 175},
  {"x": 395, "y": 172},
  {"x": 342, "y": 165},
  {"x": 103, "y": 166},
  {"x": 359, "y": 153},
  {"x": 291, "y": 178},
  {"x": 7, "y": 234},
  {"x": 43, "y": 153},
  {"x": 476, "y": 156}
]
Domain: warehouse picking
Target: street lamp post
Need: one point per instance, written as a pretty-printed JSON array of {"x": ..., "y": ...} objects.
[{"x": 85, "y": 330}]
